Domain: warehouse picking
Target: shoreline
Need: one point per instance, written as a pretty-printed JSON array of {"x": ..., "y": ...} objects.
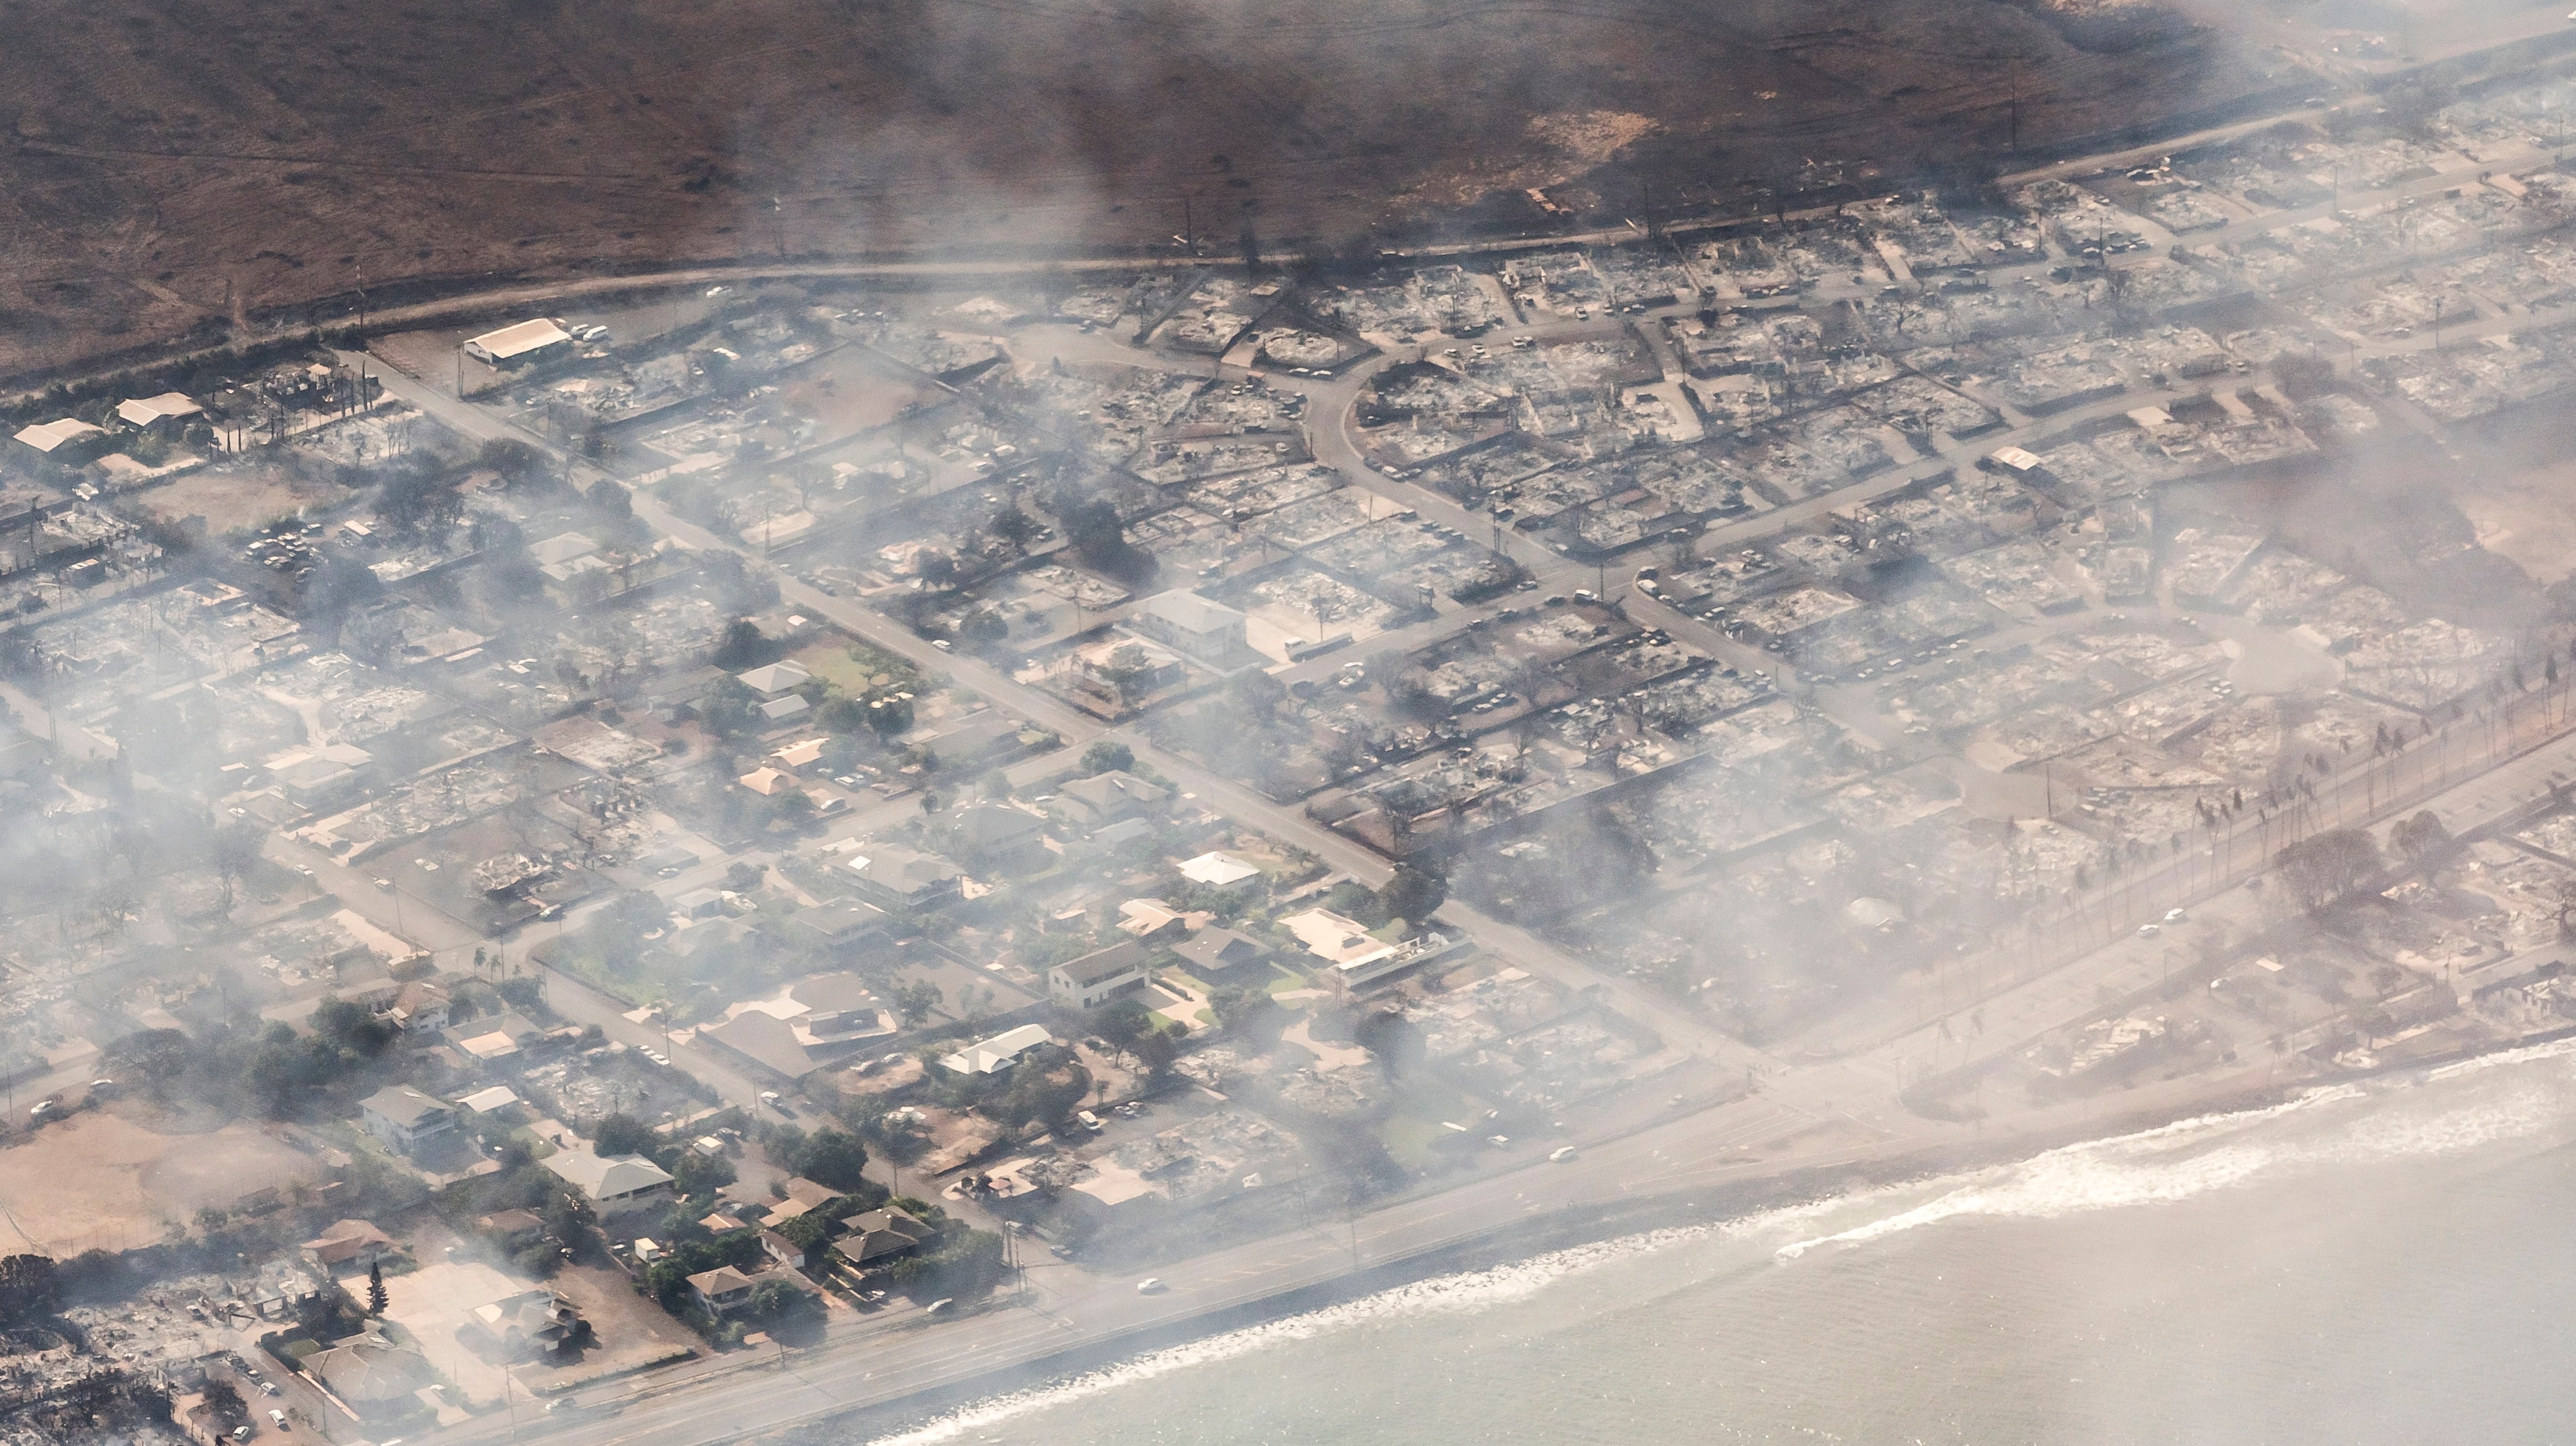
[{"x": 1576, "y": 1227}]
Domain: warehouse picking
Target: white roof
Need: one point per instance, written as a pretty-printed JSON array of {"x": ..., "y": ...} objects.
[
  {"x": 46, "y": 436},
  {"x": 1328, "y": 935},
  {"x": 143, "y": 412},
  {"x": 989, "y": 1055},
  {"x": 778, "y": 677},
  {"x": 1217, "y": 870},
  {"x": 484, "y": 1102},
  {"x": 2016, "y": 458},
  {"x": 517, "y": 340},
  {"x": 1192, "y": 613},
  {"x": 605, "y": 1177},
  {"x": 562, "y": 547}
]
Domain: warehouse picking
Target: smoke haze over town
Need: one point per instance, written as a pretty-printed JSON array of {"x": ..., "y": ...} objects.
[{"x": 845, "y": 721}]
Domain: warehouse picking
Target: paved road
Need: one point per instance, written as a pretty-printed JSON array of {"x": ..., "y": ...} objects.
[{"x": 414, "y": 918}]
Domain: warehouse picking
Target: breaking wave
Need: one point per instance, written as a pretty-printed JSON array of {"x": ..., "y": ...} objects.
[
  {"x": 2216, "y": 1152},
  {"x": 1460, "y": 1294},
  {"x": 2168, "y": 1163}
]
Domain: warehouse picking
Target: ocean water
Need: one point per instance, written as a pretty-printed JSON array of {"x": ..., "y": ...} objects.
[{"x": 2392, "y": 1261}]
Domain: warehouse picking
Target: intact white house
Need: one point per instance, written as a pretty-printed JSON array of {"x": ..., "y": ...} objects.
[
  {"x": 406, "y": 1118},
  {"x": 613, "y": 1184}
]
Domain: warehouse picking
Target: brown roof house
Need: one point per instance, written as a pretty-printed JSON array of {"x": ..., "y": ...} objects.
[
  {"x": 1106, "y": 798},
  {"x": 1213, "y": 952},
  {"x": 513, "y": 1229},
  {"x": 991, "y": 836},
  {"x": 878, "y": 1235},
  {"x": 901, "y": 878},
  {"x": 721, "y": 1289},
  {"x": 350, "y": 1246}
]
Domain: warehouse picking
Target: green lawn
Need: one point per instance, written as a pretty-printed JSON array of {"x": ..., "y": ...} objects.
[
  {"x": 831, "y": 662},
  {"x": 1417, "y": 1121}
]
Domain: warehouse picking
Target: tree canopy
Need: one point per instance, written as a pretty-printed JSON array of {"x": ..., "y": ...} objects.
[
  {"x": 2324, "y": 868},
  {"x": 834, "y": 1158},
  {"x": 29, "y": 1288}
]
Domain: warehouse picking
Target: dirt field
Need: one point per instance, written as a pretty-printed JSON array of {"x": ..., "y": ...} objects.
[
  {"x": 176, "y": 164},
  {"x": 102, "y": 1180},
  {"x": 238, "y": 494}
]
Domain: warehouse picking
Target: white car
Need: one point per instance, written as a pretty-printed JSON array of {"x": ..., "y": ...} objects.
[
  {"x": 2175, "y": 916},
  {"x": 2148, "y": 931},
  {"x": 1560, "y": 1154},
  {"x": 1150, "y": 1285}
]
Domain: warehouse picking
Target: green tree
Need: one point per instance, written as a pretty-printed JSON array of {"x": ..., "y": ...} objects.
[
  {"x": 1238, "y": 1006},
  {"x": 2324, "y": 868},
  {"x": 1121, "y": 1022},
  {"x": 1097, "y": 534},
  {"x": 833, "y": 1158},
  {"x": 2422, "y": 839},
  {"x": 889, "y": 717},
  {"x": 623, "y": 1134},
  {"x": 377, "y": 1300},
  {"x": 1155, "y": 1049},
  {"x": 741, "y": 645},
  {"x": 1108, "y": 756},
  {"x": 156, "y": 1056},
  {"x": 419, "y": 500},
  {"x": 30, "y": 1287},
  {"x": 514, "y": 462},
  {"x": 1046, "y": 1085},
  {"x": 915, "y": 1000},
  {"x": 1256, "y": 696},
  {"x": 775, "y": 1302},
  {"x": 1412, "y": 894}
]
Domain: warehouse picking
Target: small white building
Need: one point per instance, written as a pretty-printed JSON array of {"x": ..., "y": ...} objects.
[
  {"x": 1203, "y": 629},
  {"x": 783, "y": 676},
  {"x": 164, "y": 413},
  {"x": 992, "y": 1056},
  {"x": 520, "y": 344},
  {"x": 1217, "y": 870}
]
